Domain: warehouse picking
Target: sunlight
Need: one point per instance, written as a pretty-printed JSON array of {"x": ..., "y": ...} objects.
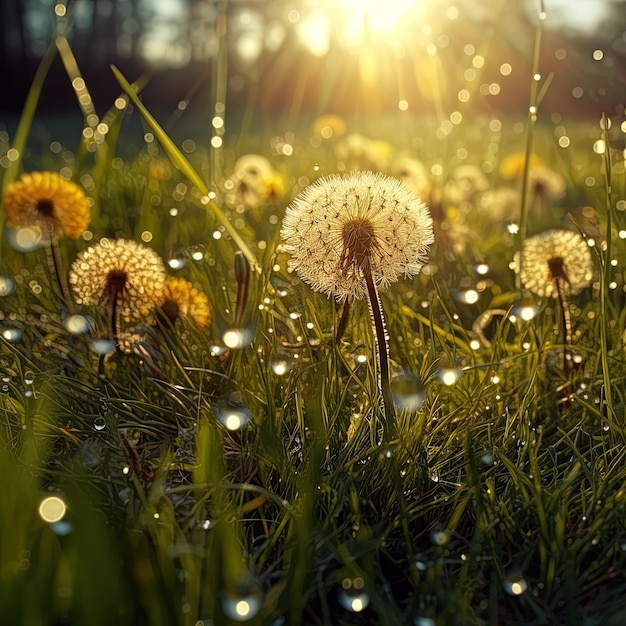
[{"x": 373, "y": 16}]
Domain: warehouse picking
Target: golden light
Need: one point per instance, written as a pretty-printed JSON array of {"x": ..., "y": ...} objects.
[
  {"x": 52, "y": 509},
  {"x": 375, "y": 17},
  {"x": 314, "y": 32}
]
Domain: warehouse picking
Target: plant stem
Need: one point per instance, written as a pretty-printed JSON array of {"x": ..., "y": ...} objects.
[
  {"x": 565, "y": 321},
  {"x": 54, "y": 258},
  {"x": 382, "y": 351},
  {"x": 343, "y": 320}
]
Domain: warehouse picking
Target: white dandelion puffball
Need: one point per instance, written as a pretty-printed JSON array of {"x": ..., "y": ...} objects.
[
  {"x": 555, "y": 255},
  {"x": 341, "y": 227}
]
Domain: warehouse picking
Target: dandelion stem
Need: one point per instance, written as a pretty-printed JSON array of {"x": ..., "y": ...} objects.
[
  {"x": 343, "y": 320},
  {"x": 54, "y": 258},
  {"x": 113, "y": 319},
  {"x": 242, "y": 275},
  {"x": 565, "y": 321},
  {"x": 382, "y": 349}
]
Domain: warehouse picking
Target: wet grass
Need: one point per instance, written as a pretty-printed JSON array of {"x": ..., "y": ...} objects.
[{"x": 501, "y": 498}]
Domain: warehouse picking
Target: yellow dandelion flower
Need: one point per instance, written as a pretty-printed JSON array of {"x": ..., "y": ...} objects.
[
  {"x": 329, "y": 126},
  {"x": 48, "y": 202},
  {"x": 340, "y": 228},
  {"x": 513, "y": 165},
  {"x": 123, "y": 275},
  {"x": 553, "y": 256},
  {"x": 179, "y": 298}
]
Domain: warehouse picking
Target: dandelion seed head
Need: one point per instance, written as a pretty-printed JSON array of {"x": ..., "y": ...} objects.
[
  {"x": 45, "y": 201},
  {"x": 342, "y": 226},
  {"x": 553, "y": 255},
  {"x": 121, "y": 271}
]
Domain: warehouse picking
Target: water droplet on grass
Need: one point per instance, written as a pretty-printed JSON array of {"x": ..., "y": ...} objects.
[
  {"x": 242, "y": 608},
  {"x": 99, "y": 423},
  {"x": 61, "y": 528},
  {"x": 449, "y": 375},
  {"x": 7, "y": 285},
  {"x": 407, "y": 392},
  {"x": 177, "y": 262},
  {"x": 232, "y": 411},
  {"x": 197, "y": 252},
  {"x": 78, "y": 324},
  {"x": 352, "y": 595},
  {"x": 235, "y": 338},
  {"x": 12, "y": 334},
  {"x": 25, "y": 239},
  {"x": 103, "y": 346},
  {"x": 29, "y": 377},
  {"x": 515, "y": 584},
  {"x": 281, "y": 365},
  {"x": 439, "y": 537}
]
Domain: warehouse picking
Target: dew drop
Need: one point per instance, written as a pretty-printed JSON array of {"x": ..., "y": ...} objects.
[
  {"x": 215, "y": 350},
  {"x": 7, "y": 285},
  {"x": 197, "y": 252},
  {"x": 78, "y": 324},
  {"x": 281, "y": 366},
  {"x": 515, "y": 584},
  {"x": 449, "y": 375},
  {"x": 52, "y": 509},
  {"x": 29, "y": 377},
  {"x": 487, "y": 458},
  {"x": 99, "y": 423},
  {"x": 61, "y": 528},
  {"x": 407, "y": 392},
  {"x": 439, "y": 537},
  {"x": 352, "y": 595},
  {"x": 423, "y": 621},
  {"x": 232, "y": 411},
  {"x": 242, "y": 608},
  {"x": 235, "y": 338},
  {"x": 25, "y": 239},
  {"x": 103, "y": 346},
  {"x": 177, "y": 262},
  {"x": 388, "y": 452},
  {"x": 12, "y": 334}
]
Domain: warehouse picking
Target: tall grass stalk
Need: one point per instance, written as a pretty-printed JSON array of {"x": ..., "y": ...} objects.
[{"x": 179, "y": 160}]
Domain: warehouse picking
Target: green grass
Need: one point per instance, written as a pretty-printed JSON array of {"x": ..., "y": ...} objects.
[{"x": 501, "y": 501}]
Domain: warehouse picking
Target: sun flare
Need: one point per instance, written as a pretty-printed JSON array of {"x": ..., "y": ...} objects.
[{"x": 373, "y": 17}]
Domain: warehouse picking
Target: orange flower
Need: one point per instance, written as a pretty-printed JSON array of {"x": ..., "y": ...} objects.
[
  {"x": 46, "y": 201},
  {"x": 180, "y": 298},
  {"x": 513, "y": 165}
]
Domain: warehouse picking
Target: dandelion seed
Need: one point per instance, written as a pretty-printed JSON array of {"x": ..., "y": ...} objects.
[
  {"x": 340, "y": 227},
  {"x": 350, "y": 235},
  {"x": 555, "y": 255},
  {"x": 254, "y": 182},
  {"x": 120, "y": 273}
]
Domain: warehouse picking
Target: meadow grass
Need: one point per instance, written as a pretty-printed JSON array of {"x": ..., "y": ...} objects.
[{"x": 500, "y": 499}]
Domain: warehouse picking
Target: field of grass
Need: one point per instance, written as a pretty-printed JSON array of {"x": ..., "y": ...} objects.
[{"x": 165, "y": 472}]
